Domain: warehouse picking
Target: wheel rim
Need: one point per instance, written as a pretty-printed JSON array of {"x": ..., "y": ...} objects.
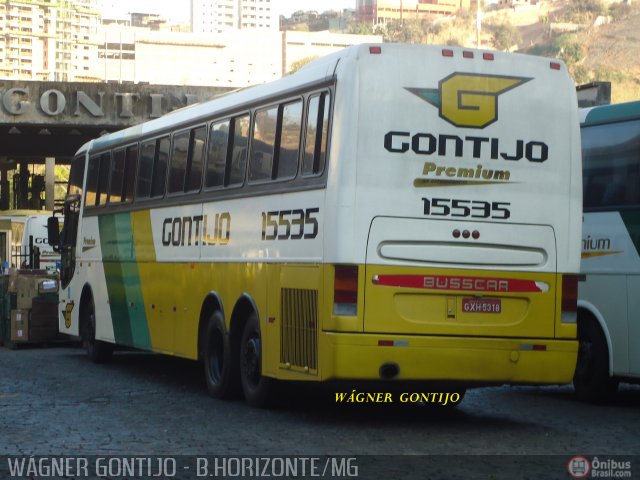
[{"x": 251, "y": 360}]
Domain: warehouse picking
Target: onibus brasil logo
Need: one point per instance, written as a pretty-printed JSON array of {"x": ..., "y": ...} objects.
[{"x": 468, "y": 99}]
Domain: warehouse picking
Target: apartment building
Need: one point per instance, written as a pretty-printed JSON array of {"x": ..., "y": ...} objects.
[
  {"x": 48, "y": 39},
  {"x": 383, "y": 11},
  {"x": 217, "y": 16}
]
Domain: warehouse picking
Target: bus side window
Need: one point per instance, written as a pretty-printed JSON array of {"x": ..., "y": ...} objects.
[
  {"x": 315, "y": 149},
  {"x": 160, "y": 163},
  {"x": 217, "y": 154},
  {"x": 178, "y": 165},
  {"x": 289, "y": 140},
  {"x": 92, "y": 181},
  {"x": 237, "y": 159},
  {"x": 131, "y": 162},
  {"x": 145, "y": 169},
  {"x": 103, "y": 179},
  {"x": 195, "y": 161},
  {"x": 263, "y": 144},
  {"x": 117, "y": 176}
]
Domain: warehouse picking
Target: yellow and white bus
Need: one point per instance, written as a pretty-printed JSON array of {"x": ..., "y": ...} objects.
[
  {"x": 608, "y": 305},
  {"x": 389, "y": 213}
]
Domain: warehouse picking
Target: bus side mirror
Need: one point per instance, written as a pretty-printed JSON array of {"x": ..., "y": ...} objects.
[{"x": 53, "y": 232}]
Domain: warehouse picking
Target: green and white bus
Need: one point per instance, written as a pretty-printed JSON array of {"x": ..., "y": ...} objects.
[
  {"x": 609, "y": 290},
  {"x": 389, "y": 213}
]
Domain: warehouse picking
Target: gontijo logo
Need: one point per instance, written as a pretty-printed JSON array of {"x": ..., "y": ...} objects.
[{"x": 469, "y": 99}]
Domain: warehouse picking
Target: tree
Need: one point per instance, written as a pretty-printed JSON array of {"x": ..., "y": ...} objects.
[
  {"x": 298, "y": 64},
  {"x": 407, "y": 31},
  {"x": 361, "y": 28},
  {"x": 506, "y": 36}
]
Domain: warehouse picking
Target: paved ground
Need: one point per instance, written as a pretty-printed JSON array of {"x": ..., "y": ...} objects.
[{"x": 55, "y": 402}]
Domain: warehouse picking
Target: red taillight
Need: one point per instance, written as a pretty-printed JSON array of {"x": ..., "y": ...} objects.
[
  {"x": 554, "y": 66},
  {"x": 569, "y": 298},
  {"x": 487, "y": 56},
  {"x": 467, "y": 54},
  {"x": 345, "y": 290},
  {"x": 375, "y": 50},
  {"x": 447, "y": 53}
]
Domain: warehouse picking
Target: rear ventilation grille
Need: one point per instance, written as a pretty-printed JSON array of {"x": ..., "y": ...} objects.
[{"x": 299, "y": 333}]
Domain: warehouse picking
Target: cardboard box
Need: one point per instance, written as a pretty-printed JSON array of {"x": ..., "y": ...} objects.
[
  {"x": 13, "y": 277},
  {"x": 19, "y": 325},
  {"x": 26, "y": 288},
  {"x": 29, "y": 286}
]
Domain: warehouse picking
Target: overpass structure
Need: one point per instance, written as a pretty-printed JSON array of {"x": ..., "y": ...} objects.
[{"x": 44, "y": 123}]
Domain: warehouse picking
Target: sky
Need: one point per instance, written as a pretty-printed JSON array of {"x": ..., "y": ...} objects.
[{"x": 179, "y": 9}]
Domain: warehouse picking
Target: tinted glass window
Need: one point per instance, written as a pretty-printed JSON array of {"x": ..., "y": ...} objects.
[
  {"x": 178, "y": 168},
  {"x": 103, "y": 179},
  {"x": 130, "y": 173},
  {"x": 611, "y": 164},
  {"x": 92, "y": 181},
  {"x": 217, "y": 155},
  {"x": 263, "y": 144},
  {"x": 76, "y": 176},
  {"x": 117, "y": 176},
  {"x": 196, "y": 159},
  {"x": 317, "y": 132},
  {"x": 289, "y": 140},
  {"x": 239, "y": 150},
  {"x": 161, "y": 160},
  {"x": 145, "y": 169}
]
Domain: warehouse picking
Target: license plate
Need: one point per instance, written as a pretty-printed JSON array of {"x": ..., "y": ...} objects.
[{"x": 481, "y": 305}]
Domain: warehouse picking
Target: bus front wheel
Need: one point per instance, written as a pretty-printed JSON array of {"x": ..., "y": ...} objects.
[
  {"x": 256, "y": 387},
  {"x": 591, "y": 380},
  {"x": 220, "y": 373},
  {"x": 97, "y": 351}
]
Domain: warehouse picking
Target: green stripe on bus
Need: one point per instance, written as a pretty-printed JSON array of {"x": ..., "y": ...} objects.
[
  {"x": 613, "y": 113},
  {"x": 123, "y": 281}
]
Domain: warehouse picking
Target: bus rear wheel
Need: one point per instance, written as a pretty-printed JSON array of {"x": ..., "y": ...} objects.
[
  {"x": 256, "y": 387},
  {"x": 591, "y": 380},
  {"x": 97, "y": 351},
  {"x": 220, "y": 367}
]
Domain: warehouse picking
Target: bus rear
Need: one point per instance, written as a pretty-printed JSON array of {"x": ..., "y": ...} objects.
[{"x": 458, "y": 224}]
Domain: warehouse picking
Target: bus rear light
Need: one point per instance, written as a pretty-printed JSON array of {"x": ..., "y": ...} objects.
[
  {"x": 447, "y": 52},
  {"x": 345, "y": 290},
  {"x": 375, "y": 50},
  {"x": 569, "y": 298},
  {"x": 467, "y": 54},
  {"x": 554, "y": 66},
  {"x": 488, "y": 56}
]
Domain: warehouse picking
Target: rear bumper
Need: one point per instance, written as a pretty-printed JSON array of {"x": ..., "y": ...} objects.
[{"x": 476, "y": 360}]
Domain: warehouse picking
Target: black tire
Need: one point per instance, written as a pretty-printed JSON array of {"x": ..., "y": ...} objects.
[
  {"x": 220, "y": 366},
  {"x": 256, "y": 387},
  {"x": 591, "y": 380},
  {"x": 97, "y": 351}
]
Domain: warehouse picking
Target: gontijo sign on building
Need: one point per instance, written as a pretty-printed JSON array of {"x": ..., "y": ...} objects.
[{"x": 23, "y": 102}]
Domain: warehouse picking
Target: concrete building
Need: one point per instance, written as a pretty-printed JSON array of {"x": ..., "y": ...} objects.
[
  {"x": 61, "y": 40},
  {"x": 299, "y": 46},
  {"x": 383, "y": 11},
  {"x": 217, "y": 16},
  {"x": 47, "y": 39},
  {"x": 235, "y": 58}
]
